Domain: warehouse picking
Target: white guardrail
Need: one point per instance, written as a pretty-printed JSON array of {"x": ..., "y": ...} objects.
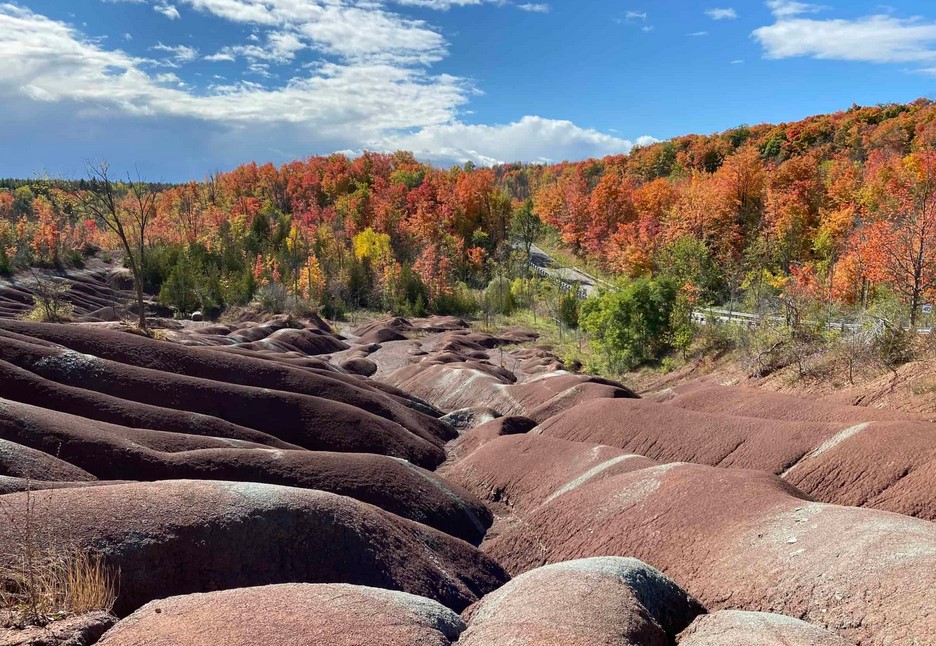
[{"x": 709, "y": 314}]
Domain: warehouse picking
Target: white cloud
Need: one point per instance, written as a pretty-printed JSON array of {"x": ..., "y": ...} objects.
[
  {"x": 698, "y": 34},
  {"x": 872, "y": 39},
  {"x": 128, "y": 36},
  {"x": 441, "y": 5},
  {"x": 361, "y": 31},
  {"x": 635, "y": 15},
  {"x": 49, "y": 61},
  {"x": 721, "y": 14},
  {"x": 168, "y": 77},
  {"x": 790, "y": 8},
  {"x": 376, "y": 90},
  {"x": 281, "y": 48},
  {"x": 531, "y": 138},
  {"x": 737, "y": 61},
  {"x": 647, "y": 29},
  {"x": 533, "y": 7},
  {"x": 219, "y": 57},
  {"x": 178, "y": 54},
  {"x": 167, "y": 10}
]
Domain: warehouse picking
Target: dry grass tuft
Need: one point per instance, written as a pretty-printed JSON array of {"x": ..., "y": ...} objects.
[{"x": 40, "y": 583}]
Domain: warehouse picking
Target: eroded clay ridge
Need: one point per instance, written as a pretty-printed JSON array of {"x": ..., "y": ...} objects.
[{"x": 391, "y": 476}]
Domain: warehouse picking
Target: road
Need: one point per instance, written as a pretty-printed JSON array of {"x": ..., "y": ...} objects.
[{"x": 568, "y": 277}]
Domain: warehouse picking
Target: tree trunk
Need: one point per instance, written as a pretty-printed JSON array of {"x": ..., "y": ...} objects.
[{"x": 142, "y": 307}]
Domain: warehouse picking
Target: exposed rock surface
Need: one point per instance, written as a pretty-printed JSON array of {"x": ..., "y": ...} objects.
[
  {"x": 274, "y": 615},
  {"x": 889, "y": 465},
  {"x": 609, "y": 601},
  {"x": 735, "y": 627},
  {"x": 178, "y": 537},
  {"x": 745, "y": 539},
  {"x": 80, "y": 630}
]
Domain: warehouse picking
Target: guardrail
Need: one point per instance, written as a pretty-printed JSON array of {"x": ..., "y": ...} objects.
[
  {"x": 708, "y": 314},
  {"x": 563, "y": 284}
]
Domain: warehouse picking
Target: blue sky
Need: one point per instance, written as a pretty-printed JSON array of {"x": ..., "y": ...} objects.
[{"x": 181, "y": 88}]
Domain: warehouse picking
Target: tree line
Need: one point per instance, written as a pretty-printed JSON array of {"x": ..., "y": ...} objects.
[{"x": 834, "y": 209}]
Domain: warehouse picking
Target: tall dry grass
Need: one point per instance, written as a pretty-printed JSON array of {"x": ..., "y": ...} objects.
[{"x": 42, "y": 581}]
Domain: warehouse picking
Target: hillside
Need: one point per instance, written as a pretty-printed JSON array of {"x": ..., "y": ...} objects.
[
  {"x": 824, "y": 205},
  {"x": 213, "y": 483}
]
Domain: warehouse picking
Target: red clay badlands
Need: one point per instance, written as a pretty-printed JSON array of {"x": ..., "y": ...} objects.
[{"x": 239, "y": 475}]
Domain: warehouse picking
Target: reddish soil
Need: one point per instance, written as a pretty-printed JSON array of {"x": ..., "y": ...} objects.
[
  {"x": 183, "y": 536},
  {"x": 610, "y": 601},
  {"x": 336, "y": 615},
  {"x": 888, "y": 465},
  {"x": 239, "y": 474}
]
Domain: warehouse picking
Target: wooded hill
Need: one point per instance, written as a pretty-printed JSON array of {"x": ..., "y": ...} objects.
[{"x": 834, "y": 206}]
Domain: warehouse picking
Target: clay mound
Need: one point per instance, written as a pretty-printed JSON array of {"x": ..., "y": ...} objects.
[
  {"x": 396, "y": 323},
  {"x": 9, "y": 484},
  {"x": 578, "y": 394},
  {"x": 882, "y": 465},
  {"x": 360, "y": 366},
  {"x": 380, "y": 335},
  {"x": 20, "y": 461},
  {"x": 731, "y": 627},
  {"x": 452, "y": 381},
  {"x": 344, "y": 615},
  {"x": 752, "y": 402},
  {"x": 310, "y": 422},
  {"x": 670, "y": 434},
  {"x": 466, "y": 419},
  {"x": 480, "y": 435},
  {"x": 118, "y": 453},
  {"x": 258, "y": 331},
  {"x": 24, "y": 386},
  {"x": 178, "y": 537},
  {"x": 309, "y": 341},
  {"x": 735, "y": 538},
  {"x": 524, "y": 471},
  {"x": 228, "y": 366},
  {"x": 610, "y": 601},
  {"x": 437, "y": 323},
  {"x": 84, "y": 442}
]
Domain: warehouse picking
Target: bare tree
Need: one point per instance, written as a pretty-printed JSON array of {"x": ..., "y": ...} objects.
[{"x": 126, "y": 209}]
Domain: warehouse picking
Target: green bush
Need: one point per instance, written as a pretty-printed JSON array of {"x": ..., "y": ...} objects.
[
  {"x": 460, "y": 302},
  {"x": 569, "y": 309},
  {"x": 631, "y": 324},
  {"x": 408, "y": 294},
  {"x": 498, "y": 296}
]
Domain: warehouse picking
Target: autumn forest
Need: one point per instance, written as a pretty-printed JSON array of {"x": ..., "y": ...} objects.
[{"x": 837, "y": 210}]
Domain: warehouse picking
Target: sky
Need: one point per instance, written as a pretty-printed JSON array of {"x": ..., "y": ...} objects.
[{"x": 178, "y": 89}]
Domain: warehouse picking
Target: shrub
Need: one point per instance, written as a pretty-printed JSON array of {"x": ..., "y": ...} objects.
[
  {"x": 408, "y": 294},
  {"x": 49, "y": 302},
  {"x": 461, "y": 301},
  {"x": 272, "y": 298},
  {"x": 763, "y": 348},
  {"x": 893, "y": 346},
  {"x": 498, "y": 297},
  {"x": 569, "y": 309},
  {"x": 630, "y": 325}
]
